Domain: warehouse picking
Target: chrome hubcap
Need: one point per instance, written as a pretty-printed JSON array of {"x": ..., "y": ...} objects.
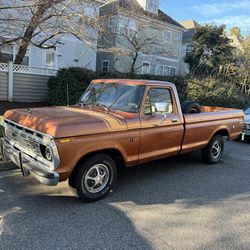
[
  {"x": 96, "y": 178},
  {"x": 216, "y": 149}
]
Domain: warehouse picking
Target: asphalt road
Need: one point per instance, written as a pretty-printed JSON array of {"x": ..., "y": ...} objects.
[{"x": 176, "y": 203}]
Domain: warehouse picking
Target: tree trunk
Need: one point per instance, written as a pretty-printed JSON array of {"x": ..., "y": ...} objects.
[
  {"x": 21, "y": 52},
  {"x": 32, "y": 26}
]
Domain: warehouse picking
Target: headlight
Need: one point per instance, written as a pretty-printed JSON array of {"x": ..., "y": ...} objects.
[{"x": 46, "y": 152}]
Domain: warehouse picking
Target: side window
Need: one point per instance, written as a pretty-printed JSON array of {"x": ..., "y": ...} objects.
[
  {"x": 50, "y": 58},
  {"x": 105, "y": 66},
  {"x": 145, "y": 68},
  {"x": 160, "y": 101}
]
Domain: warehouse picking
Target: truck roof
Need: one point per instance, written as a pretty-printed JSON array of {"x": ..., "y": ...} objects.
[{"x": 134, "y": 82}]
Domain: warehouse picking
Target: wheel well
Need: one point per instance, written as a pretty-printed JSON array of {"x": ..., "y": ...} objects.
[
  {"x": 222, "y": 132},
  {"x": 114, "y": 153}
]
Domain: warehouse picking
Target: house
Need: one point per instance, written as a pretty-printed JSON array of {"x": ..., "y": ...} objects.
[
  {"x": 68, "y": 53},
  {"x": 237, "y": 41},
  {"x": 141, "y": 39},
  {"x": 187, "y": 48}
]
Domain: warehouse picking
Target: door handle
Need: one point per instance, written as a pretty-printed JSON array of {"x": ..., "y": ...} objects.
[{"x": 174, "y": 120}]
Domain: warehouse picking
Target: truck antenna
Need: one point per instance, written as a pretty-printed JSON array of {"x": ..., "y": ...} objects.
[{"x": 67, "y": 95}]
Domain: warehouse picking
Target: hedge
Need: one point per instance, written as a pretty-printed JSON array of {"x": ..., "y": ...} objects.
[
  {"x": 78, "y": 79},
  {"x": 207, "y": 91},
  {"x": 214, "y": 92}
]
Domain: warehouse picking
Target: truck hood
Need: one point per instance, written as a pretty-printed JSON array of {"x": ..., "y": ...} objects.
[{"x": 72, "y": 121}]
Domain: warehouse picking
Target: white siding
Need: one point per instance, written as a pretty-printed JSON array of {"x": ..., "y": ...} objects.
[
  {"x": 3, "y": 86},
  {"x": 36, "y": 57},
  {"x": 73, "y": 53}
]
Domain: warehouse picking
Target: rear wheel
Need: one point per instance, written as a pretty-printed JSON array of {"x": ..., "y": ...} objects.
[
  {"x": 94, "y": 178},
  {"x": 213, "y": 152}
]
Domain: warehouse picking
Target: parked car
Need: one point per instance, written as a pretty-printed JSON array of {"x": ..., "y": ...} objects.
[
  {"x": 246, "y": 129},
  {"x": 116, "y": 123}
]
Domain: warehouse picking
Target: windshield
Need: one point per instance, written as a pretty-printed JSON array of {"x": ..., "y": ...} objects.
[
  {"x": 114, "y": 95},
  {"x": 247, "y": 111}
]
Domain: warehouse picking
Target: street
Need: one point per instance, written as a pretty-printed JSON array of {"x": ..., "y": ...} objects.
[{"x": 175, "y": 203}]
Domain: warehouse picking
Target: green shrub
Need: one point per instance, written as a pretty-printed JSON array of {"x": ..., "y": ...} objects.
[
  {"x": 1, "y": 131},
  {"x": 78, "y": 80},
  {"x": 212, "y": 92}
]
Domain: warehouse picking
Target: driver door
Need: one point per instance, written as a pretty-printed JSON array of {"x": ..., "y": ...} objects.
[{"x": 162, "y": 127}]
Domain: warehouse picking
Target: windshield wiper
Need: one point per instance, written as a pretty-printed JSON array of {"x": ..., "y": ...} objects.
[
  {"x": 102, "y": 106},
  {"x": 82, "y": 103}
]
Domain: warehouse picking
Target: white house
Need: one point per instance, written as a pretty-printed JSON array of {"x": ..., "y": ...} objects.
[{"x": 69, "y": 53}]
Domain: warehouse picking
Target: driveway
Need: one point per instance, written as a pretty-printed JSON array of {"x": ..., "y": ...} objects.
[{"x": 176, "y": 203}]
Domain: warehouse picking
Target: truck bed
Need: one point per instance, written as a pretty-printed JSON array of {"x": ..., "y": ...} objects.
[{"x": 200, "y": 128}]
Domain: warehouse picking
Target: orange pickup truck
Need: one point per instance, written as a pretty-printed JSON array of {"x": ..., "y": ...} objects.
[{"x": 116, "y": 123}]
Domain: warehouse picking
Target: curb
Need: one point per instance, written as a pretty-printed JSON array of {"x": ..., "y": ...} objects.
[{"x": 7, "y": 166}]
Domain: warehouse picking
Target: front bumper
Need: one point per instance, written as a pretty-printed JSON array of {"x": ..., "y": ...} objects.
[{"x": 28, "y": 164}]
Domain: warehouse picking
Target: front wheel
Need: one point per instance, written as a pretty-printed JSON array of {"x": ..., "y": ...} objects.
[
  {"x": 213, "y": 152},
  {"x": 94, "y": 178}
]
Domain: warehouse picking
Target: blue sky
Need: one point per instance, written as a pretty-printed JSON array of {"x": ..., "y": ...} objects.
[{"x": 231, "y": 13}]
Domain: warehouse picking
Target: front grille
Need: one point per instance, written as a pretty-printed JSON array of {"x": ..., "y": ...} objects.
[{"x": 24, "y": 137}]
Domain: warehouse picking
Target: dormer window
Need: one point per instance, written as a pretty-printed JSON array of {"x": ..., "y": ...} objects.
[{"x": 153, "y": 6}]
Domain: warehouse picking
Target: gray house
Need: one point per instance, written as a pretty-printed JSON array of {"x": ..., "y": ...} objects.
[
  {"x": 187, "y": 48},
  {"x": 140, "y": 39}
]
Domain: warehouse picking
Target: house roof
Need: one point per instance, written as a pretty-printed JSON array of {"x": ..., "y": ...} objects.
[
  {"x": 166, "y": 18},
  {"x": 189, "y": 24},
  {"x": 132, "y": 5}
]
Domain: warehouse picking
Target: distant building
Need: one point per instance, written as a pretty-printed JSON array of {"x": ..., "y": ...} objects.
[
  {"x": 127, "y": 18},
  {"x": 187, "y": 48},
  {"x": 237, "y": 41}
]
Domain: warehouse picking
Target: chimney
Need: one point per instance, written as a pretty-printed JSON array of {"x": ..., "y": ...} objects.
[{"x": 150, "y": 5}]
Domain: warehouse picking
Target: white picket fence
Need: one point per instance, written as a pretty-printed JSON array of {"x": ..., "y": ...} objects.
[{"x": 4, "y": 67}]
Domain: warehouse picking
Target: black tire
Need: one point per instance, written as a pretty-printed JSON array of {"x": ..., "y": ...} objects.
[
  {"x": 247, "y": 138},
  {"x": 189, "y": 107},
  {"x": 82, "y": 184},
  {"x": 209, "y": 154}
]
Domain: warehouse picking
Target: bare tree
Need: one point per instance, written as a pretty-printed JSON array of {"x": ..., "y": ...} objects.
[
  {"x": 135, "y": 39},
  {"x": 42, "y": 23},
  {"x": 144, "y": 40},
  {"x": 138, "y": 42}
]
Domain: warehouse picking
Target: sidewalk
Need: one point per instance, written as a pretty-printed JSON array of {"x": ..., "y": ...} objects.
[{"x": 6, "y": 166}]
